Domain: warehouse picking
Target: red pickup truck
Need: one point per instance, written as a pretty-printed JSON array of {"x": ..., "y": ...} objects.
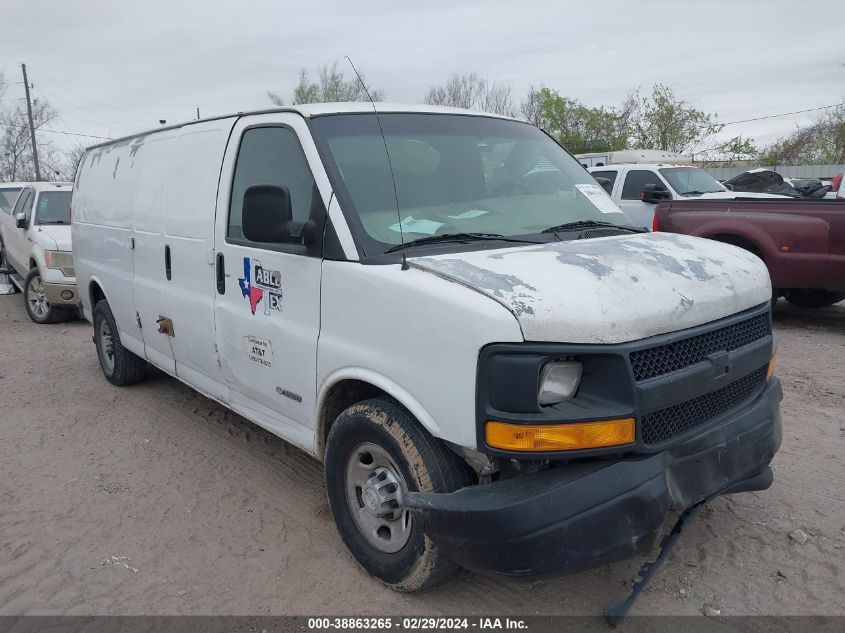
[{"x": 802, "y": 242}]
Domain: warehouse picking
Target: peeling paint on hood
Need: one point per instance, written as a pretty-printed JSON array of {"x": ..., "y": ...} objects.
[{"x": 611, "y": 290}]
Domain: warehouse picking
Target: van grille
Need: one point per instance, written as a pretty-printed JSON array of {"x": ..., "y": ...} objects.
[
  {"x": 664, "y": 424},
  {"x": 665, "y": 359}
]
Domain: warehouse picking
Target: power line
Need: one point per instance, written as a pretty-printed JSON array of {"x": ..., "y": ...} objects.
[
  {"x": 43, "y": 129},
  {"x": 775, "y": 116}
]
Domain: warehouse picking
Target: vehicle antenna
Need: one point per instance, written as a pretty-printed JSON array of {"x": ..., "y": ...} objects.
[{"x": 389, "y": 164}]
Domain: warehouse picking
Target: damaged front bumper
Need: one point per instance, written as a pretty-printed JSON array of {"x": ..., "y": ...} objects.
[{"x": 580, "y": 515}]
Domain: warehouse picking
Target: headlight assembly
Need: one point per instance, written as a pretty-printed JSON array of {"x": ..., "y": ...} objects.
[
  {"x": 559, "y": 381},
  {"x": 60, "y": 260}
]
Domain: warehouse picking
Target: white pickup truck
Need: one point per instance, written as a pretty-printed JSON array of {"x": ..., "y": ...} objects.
[
  {"x": 447, "y": 310},
  {"x": 637, "y": 188},
  {"x": 35, "y": 250}
]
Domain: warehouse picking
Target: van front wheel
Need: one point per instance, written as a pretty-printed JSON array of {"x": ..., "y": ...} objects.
[
  {"x": 375, "y": 453},
  {"x": 120, "y": 366}
]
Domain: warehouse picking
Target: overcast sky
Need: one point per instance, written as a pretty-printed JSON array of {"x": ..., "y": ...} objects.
[{"x": 114, "y": 68}]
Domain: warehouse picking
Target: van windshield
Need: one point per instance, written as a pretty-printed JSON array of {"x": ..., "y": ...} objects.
[
  {"x": 53, "y": 207},
  {"x": 691, "y": 181},
  {"x": 454, "y": 174}
]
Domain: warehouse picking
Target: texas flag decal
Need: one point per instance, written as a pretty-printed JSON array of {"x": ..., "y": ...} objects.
[{"x": 251, "y": 292}]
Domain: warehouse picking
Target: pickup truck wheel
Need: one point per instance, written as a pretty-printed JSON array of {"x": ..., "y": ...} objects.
[
  {"x": 37, "y": 306},
  {"x": 375, "y": 452},
  {"x": 120, "y": 366},
  {"x": 813, "y": 298}
]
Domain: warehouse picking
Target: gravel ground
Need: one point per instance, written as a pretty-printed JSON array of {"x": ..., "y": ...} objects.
[{"x": 155, "y": 500}]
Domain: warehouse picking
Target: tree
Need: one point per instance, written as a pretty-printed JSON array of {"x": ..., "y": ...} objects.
[
  {"x": 473, "y": 92},
  {"x": 529, "y": 107},
  {"x": 820, "y": 143},
  {"x": 663, "y": 121},
  {"x": 578, "y": 127},
  {"x": 331, "y": 85},
  {"x": 15, "y": 144},
  {"x": 736, "y": 149}
]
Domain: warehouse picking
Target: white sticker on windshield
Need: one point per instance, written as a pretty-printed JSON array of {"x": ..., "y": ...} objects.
[
  {"x": 597, "y": 195},
  {"x": 469, "y": 215},
  {"x": 410, "y": 225}
]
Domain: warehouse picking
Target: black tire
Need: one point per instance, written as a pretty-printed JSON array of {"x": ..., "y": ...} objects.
[
  {"x": 42, "y": 312},
  {"x": 813, "y": 298},
  {"x": 120, "y": 366},
  {"x": 424, "y": 462}
]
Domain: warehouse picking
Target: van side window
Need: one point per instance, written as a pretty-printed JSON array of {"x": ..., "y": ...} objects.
[
  {"x": 609, "y": 177},
  {"x": 271, "y": 156},
  {"x": 635, "y": 180}
]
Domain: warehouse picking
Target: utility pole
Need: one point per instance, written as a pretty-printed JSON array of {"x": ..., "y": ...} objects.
[{"x": 31, "y": 126}]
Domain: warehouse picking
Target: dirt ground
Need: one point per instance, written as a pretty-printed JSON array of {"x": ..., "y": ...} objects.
[{"x": 155, "y": 500}]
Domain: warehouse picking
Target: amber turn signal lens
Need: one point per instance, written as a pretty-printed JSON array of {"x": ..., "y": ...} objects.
[
  {"x": 559, "y": 437},
  {"x": 772, "y": 364}
]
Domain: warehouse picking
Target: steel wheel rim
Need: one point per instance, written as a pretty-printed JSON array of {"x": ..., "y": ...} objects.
[
  {"x": 374, "y": 485},
  {"x": 106, "y": 345},
  {"x": 38, "y": 304}
]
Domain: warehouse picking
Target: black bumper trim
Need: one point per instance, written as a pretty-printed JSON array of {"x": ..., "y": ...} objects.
[{"x": 583, "y": 514}]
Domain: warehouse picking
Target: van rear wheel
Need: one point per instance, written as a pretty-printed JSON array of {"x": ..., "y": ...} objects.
[
  {"x": 375, "y": 453},
  {"x": 120, "y": 366}
]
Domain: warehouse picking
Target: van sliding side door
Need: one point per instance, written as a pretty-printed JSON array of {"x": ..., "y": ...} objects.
[{"x": 267, "y": 308}]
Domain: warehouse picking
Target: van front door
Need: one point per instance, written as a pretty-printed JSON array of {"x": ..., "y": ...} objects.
[{"x": 267, "y": 308}]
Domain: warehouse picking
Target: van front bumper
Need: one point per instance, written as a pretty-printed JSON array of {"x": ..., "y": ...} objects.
[
  {"x": 580, "y": 515},
  {"x": 61, "y": 294}
]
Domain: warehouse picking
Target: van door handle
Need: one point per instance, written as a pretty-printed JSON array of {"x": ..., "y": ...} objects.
[
  {"x": 167, "y": 261},
  {"x": 221, "y": 274}
]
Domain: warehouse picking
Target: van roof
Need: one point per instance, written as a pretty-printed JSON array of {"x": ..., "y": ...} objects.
[{"x": 309, "y": 110}]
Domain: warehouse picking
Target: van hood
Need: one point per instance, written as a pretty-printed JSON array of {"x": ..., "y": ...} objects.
[
  {"x": 611, "y": 290},
  {"x": 58, "y": 233}
]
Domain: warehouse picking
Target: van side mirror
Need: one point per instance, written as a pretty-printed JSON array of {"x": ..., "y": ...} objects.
[
  {"x": 654, "y": 193},
  {"x": 21, "y": 220},
  {"x": 266, "y": 213}
]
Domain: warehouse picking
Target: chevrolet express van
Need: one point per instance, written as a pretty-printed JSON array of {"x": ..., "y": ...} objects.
[{"x": 497, "y": 370}]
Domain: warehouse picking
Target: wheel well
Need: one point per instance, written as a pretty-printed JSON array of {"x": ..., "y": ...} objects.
[
  {"x": 95, "y": 293},
  {"x": 340, "y": 396},
  {"x": 741, "y": 242}
]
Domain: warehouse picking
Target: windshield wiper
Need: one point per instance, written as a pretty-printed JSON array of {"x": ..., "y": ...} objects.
[
  {"x": 695, "y": 192},
  {"x": 588, "y": 224},
  {"x": 55, "y": 222},
  {"x": 457, "y": 237}
]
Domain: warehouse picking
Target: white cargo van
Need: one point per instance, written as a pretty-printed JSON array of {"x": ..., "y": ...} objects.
[
  {"x": 445, "y": 309},
  {"x": 637, "y": 188}
]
